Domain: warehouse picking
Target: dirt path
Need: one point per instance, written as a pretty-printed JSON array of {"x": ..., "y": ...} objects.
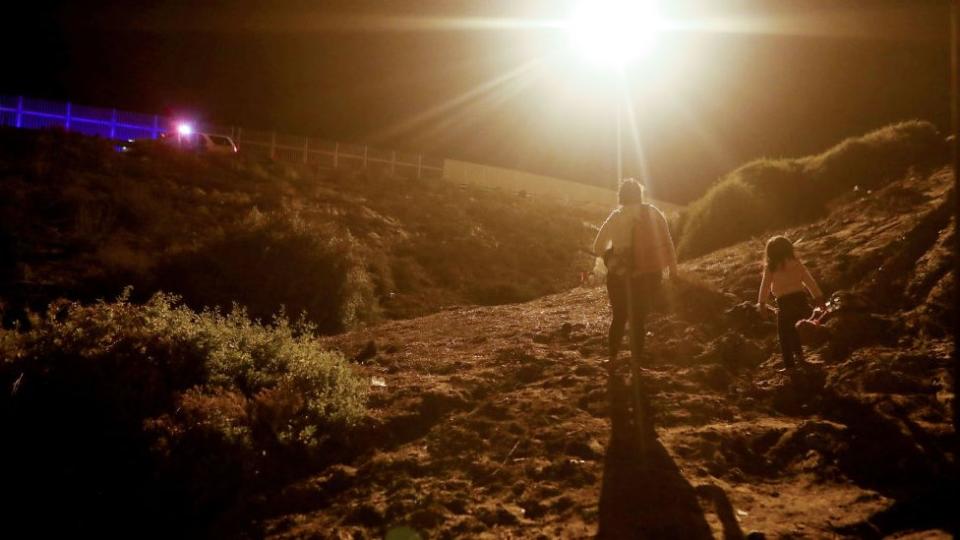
[{"x": 498, "y": 423}]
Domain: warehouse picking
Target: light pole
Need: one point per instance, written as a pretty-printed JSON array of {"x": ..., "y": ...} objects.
[
  {"x": 616, "y": 180},
  {"x": 613, "y": 34},
  {"x": 955, "y": 127}
]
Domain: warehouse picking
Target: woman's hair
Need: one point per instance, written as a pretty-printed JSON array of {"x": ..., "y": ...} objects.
[
  {"x": 779, "y": 251},
  {"x": 631, "y": 192}
]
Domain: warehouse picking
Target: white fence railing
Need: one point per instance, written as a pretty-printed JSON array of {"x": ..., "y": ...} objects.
[{"x": 23, "y": 112}]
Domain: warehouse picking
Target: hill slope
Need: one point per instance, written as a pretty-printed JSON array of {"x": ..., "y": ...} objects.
[
  {"x": 81, "y": 220},
  {"x": 494, "y": 422},
  {"x": 479, "y": 421}
]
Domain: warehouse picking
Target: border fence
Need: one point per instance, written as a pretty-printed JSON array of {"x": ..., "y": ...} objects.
[{"x": 30, "y": 113}]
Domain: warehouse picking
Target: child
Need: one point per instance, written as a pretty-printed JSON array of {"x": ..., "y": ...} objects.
[{"x": 786, "y": 277}]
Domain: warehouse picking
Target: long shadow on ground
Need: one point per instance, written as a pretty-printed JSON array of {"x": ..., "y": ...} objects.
[{"x": 644, "y": 495}]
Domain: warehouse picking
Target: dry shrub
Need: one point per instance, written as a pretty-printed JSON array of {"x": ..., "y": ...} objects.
[
  {"x": 164, "y": 414},
  {"x": 729, "y": 210},
  {"x": 273, "y": 260}
]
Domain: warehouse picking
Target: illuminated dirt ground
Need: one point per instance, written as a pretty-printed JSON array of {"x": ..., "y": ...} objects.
[{"x": 495, "y": 422}]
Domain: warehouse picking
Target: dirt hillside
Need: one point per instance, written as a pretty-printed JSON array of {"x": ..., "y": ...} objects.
[
  {"x": 81, "y": 220},
  {"x": 495, "y": 422}
]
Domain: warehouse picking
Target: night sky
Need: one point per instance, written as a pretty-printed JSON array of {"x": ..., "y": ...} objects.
[{"x": 372, "y": 71}]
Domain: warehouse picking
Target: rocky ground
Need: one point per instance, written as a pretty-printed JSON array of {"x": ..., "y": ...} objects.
[{"x": 502, "y": 422}]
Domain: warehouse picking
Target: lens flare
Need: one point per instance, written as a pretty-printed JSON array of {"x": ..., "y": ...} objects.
[{"x": 614, "y": 33}]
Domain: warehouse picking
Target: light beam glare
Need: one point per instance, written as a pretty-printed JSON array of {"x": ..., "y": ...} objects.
[
  {"x": 323, "y": 21},
  {"x": 410, "y": 124},
  {"x": 483, "y": 104},
  {"x": 645, "y": 177},
  {"x": 895, "y": 22}
]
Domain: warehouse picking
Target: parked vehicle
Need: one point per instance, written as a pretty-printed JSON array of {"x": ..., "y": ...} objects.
[
  {"x": 202, "y": 142},
  {"x": 218, "y": 144}
]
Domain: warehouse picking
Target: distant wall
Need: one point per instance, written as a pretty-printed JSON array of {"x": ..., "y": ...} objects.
[
  {"x": 24, "y": 112},
  {"x": 512, "y": 180},
  {"x": 535, "y": 184}
]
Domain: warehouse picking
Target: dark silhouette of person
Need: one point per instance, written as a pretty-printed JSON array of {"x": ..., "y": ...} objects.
[{"x": 636, "y": 247}]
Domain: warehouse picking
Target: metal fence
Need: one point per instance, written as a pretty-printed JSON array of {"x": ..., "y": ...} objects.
[
  {"x": 30, "y": 113},
  {"x": 23, "y": 112}
]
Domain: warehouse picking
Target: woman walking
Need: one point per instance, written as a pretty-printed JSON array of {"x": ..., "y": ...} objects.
[{"x": 636, "y": 247}]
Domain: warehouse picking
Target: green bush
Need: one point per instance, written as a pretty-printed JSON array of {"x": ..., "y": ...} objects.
[
  {"x": 729, "y": 209},
  {"x": 277, "y": 259},
  {"x": 160, "y": 410},
  {"x": 773, "y": 194}
]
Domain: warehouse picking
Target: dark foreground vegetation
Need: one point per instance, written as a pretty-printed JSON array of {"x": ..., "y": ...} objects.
[{"x": 117, "y": 415}]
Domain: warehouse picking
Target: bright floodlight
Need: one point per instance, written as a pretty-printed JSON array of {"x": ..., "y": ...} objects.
[
  {"x": 184, "y": 129},
  {"x": 614, "y": 32}
]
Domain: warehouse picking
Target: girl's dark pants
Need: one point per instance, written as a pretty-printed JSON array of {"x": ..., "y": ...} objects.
[
  {"x": 793, "y": 307},
  {"x": 643, "y": 287}
]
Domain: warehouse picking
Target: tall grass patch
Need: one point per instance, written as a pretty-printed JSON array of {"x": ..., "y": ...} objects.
[{"x": 769, "y": 194}]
